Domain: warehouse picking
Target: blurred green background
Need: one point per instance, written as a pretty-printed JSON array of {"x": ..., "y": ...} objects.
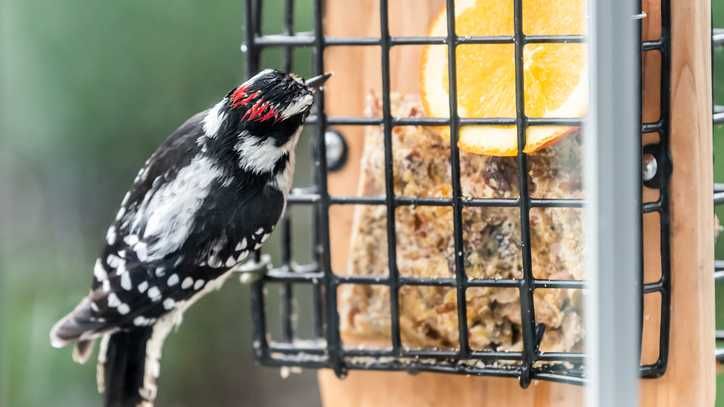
[{"x": 89, "y": 90}]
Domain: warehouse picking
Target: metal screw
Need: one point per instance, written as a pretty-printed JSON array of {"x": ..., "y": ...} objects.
[
  {"x": 650, "y": 167},
  {"x": 336, "y": 147}
]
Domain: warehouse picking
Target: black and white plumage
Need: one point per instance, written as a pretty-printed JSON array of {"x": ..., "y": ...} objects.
[{"x": 209, "y": 196}]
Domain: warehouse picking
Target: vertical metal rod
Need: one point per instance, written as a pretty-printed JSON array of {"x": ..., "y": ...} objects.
[
  {"x": 287, "y": 58},
  {"x": 393, "y": 280},
  {"x": 317, "y": 246},
  {"x": 249, "y": 47},
  {"x": 460, "y": 275},
  {"x": 334, "y": 346},
  {"x": 317, "y": 251},
  {"x": 317, "y": 288},
  {"x": 664, "y": 221},
  {"x": 252, "y": 22},
  {"x": 527, "y": 305},
  {"x": 613, "y": 192},
  {"x": 287, "y": 289}
]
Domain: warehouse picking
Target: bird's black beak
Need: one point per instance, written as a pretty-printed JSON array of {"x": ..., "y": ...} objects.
[{"x": 318, "y": 81}]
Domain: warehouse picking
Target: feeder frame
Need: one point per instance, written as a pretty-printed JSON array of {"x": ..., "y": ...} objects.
[{"x": 325, "y": 350}]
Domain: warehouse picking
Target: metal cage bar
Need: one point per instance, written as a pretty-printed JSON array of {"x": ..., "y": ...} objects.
[
  {"x": 393, "y": 277},
  {"x": 460, "y": 275},
  {"x": 307, "y": 39},
  {"x": 527, "y": 305},
  {"x": 287, "y": 291},
  {"x": 325, "y": 349}
]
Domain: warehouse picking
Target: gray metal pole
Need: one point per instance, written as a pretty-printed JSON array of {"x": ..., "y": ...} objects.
[{"x": 613, "y": 214}]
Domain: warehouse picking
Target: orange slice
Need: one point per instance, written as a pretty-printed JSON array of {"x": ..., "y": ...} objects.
[{"x": 554, "y": 75}]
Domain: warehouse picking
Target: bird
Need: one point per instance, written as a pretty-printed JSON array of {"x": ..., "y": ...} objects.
[{"x": 208, "y": 196}]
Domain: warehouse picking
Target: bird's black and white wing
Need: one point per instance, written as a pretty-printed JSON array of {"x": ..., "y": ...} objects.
[{"x": 186, "y": 221}]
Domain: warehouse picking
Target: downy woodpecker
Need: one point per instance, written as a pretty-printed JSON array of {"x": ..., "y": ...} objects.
[{"x": 206, "y": 198}]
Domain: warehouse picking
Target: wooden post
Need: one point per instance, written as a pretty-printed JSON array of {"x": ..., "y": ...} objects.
[{"x": 689, "y": 379}]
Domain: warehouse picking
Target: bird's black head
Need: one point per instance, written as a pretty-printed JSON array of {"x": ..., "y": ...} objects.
[
  {"x": 271, "y": 97},
  {"x": 260, "y": 120},
  {"x": 268, "y": 103}
]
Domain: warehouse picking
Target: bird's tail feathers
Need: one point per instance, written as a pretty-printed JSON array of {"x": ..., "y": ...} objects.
[
  {"x": 78, "y": 326},
  {"x": 129, "y": 365}
]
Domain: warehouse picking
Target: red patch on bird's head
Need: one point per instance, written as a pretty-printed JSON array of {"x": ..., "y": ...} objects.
[
  {"x": 257, "y": 109},
  {"x": 240, "y": 97},
  {"x": 260, "y": 111}
]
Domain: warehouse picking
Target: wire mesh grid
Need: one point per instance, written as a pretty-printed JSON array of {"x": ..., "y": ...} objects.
[{"x": 325, "y": 349}]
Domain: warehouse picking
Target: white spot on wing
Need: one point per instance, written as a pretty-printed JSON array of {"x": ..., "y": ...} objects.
[
  {"x": 124, "y": 309},
  {"x": 173, "y": 280},
  {"x": 113, "y": 300},
  {"x": 143, "y": 321},
  {"x": 125, "y": 199},
  {"x": 142, "y": 174},
  {"x": 113, "y": 260},
  {"x": 241, "y": 245},
  {"x": 154, "y": 294},
  {"x": 126, "y": 281},
  {"x": 99, "y": 272},
  {"x": 188, "y": 282},
  {"x": 198, "y": 284},
  {"x": 143, "y": 287},
  {"x": 168, "y": 303},
  {"x": 214, "y": 261},
  {"x": 111, "y": 235},
  {"x": 141, "y": 250},
  {"x": 121, "y": 269},
  {"x": 230, "y": 262}
]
